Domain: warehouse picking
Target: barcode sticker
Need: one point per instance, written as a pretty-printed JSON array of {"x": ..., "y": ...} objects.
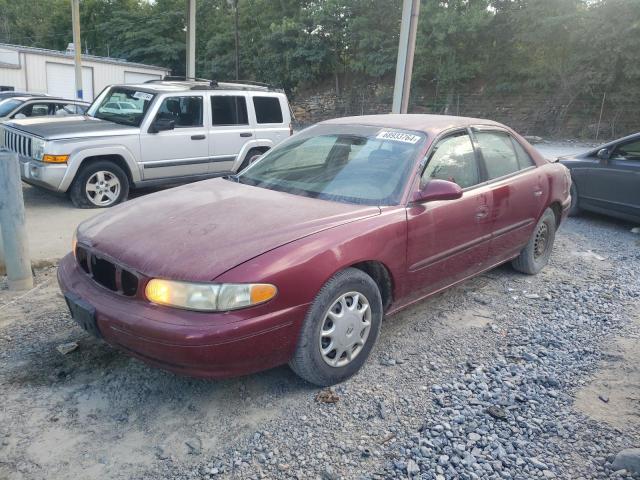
[{"x": 398, "y": 136}]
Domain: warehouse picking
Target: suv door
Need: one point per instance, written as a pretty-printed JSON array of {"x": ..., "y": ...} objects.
[
  {"x": 517, "y": 191},
  {"x": 229, "y": 131},
  {"x": 449, "y": 240},
  {"x": 614, "y": 184},
  {"x": 182, "y": 151}
]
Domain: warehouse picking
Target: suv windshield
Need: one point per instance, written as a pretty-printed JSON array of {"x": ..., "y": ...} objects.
[
  {"x": 106, "y": 106},
  {"x": 344, "y": 163},
  {"x": 7, "y": 106}
]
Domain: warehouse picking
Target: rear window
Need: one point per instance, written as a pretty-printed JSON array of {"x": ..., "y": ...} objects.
[
  {"x": 229, "y": 110},
  {"x": 267, "y": 109}
]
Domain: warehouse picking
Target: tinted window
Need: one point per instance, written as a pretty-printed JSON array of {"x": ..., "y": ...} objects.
[
  {"x": 267, "y": 109},
  {"x": 228, "y": 110},
  {"x": 454, "y": 160},
  {"x": 498, "y": 153},
  {"x": 184, "y": 111},
  {"x": 629, "y": 150}
]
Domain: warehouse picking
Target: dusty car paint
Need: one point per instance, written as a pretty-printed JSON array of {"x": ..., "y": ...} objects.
[{"x": 227, "y": 232}]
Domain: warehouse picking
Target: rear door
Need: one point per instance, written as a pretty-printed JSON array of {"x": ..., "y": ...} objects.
[
  {"x": 182, "y": 151},
  {"x": 449, "y": 240},
  {"x": 272, "y": 117},
  {"x": 614, "y": 184},
  {"x": 229, "y": 131},
  {"x": 516, "y": 188}
]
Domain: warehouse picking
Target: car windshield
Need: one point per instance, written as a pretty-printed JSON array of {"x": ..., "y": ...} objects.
[
  {"x": 7, "y": 106},
  {"x": 106, "y": 107},
  {"x": 344, "y": 163}
]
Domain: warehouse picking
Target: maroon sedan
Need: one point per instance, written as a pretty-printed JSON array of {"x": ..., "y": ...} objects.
[{"x": 297, "y": 258}]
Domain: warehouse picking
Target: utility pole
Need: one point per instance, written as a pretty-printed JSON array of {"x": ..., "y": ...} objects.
[
  {"x": 237, "y": 42},
  {"x": 406, "y": 50},
  {"x": 77, "y": 45},
  {"x": 191, "y": 38},
  {"x": 12, "y": 224}
]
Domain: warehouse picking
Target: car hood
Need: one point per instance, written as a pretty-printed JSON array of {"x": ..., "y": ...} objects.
[
  {"x": 199, "y": 231},
  {"x": 56, "y": 128}
]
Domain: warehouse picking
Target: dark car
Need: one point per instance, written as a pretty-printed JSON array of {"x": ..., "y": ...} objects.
[
  {"x": 297, "y": 258},
  {"x": 607, "y": 179}
]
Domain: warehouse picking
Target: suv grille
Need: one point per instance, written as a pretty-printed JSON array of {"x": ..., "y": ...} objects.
[
  {"x": 106, "y": 273},
  {"x": 21, "y": 144}
]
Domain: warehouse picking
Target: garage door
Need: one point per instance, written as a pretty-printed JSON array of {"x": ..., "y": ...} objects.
[
  {"x": 135, "y": 77},
  {"x": 61, "y": 81}
]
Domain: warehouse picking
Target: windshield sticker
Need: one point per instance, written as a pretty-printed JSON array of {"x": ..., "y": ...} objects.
[
  {"x": 143, "y": 96},
  {"x": 398, "y": 137}
]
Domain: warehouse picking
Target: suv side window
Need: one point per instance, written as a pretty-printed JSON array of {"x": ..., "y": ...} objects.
[
  {"x": 184, "y": 111},
  {"x": 229, "y": 110},
  {"x": 498, "y": 153},
  {"x": 267, "y": 109},
  {"x": 454, "y": 160}
]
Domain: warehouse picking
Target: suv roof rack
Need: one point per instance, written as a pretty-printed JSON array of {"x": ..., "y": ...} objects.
[{"x": 206, "y": 84}]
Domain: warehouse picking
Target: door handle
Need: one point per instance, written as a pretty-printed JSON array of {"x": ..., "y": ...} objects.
[
  {"x": 198, "y": 137},
  {"x": 246, "y": 134}
]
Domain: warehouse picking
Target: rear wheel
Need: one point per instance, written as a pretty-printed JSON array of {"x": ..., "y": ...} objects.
[
  {"x": 99, "y": 184},
  {"x": 249, "y": 156},
  {"x": 535, "y": 255},
  {"x": 339, "y": 330}
]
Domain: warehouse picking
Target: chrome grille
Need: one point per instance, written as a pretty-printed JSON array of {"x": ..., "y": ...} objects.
[{"x": 21, "y": 144}]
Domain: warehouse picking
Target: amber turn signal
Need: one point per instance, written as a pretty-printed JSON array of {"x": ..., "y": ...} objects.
[{"x": 55, "y": 158}]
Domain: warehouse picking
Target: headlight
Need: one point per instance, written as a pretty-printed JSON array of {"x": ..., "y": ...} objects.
[
  {"x": 37, "y": 148},
  {"x": 208, "y": 296}
]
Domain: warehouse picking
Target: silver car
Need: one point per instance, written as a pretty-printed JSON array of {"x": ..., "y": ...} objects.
[{"x": 169, "y": 132}]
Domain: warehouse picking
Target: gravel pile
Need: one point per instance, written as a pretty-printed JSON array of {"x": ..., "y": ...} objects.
[{"x": 494, "y": 404}]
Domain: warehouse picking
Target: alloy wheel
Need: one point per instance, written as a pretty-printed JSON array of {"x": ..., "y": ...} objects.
[{"x": 103, "y": 188}]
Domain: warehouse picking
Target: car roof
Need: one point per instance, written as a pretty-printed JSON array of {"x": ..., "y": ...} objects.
[
  {"x": 51, "y": 99},
  {"x": 427, "y": 123}
]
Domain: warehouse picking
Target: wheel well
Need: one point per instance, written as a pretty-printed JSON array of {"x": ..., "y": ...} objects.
[
  {"x": 557, "y": 212},
  {"x": 117, "y": 159},
  {"x": 380, "y": 274}
]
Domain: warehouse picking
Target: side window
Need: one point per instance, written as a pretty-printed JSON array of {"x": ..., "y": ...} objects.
[
  {"x": 454, "y": 160},
  {"x": 229, "y": 110},
  {"x": 33, "y": 110},
  {"x": 184, "y": 111},
  {"x": 524, "y": 159},
  {"x": 267, "y": 109},
  {"x": 498, "y": 153},
  {"x": 61, "y": 109},
  {"x": 629, "y": 151}
]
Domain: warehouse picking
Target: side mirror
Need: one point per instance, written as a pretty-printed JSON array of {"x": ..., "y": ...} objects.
[
  {"x": 438, "y": 190},
  {"x": 162, "y": 124},
  {"x": 604, "y": 154}
]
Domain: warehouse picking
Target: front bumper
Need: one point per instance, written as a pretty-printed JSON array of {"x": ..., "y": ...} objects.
[
  {"x": 212, "y": 345},
  {"x": 42, "y": 174}
]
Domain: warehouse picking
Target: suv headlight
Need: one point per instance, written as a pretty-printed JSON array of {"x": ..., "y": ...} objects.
[
  {"x": 209, "y": 297},
  {"x": 37, "y": 148}
]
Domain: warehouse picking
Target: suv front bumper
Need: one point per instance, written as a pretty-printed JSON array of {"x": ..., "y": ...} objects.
[{"x": 43, "y": 175}]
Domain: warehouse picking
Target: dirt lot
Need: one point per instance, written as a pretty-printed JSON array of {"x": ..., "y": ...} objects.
[{"x": 95, "y": 413}]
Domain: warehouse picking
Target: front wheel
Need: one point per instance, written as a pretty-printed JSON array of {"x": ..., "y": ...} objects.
[
  {"x": 99, "y": 184},
  {"x": 536, "y": 253},
  {"x": 340, "y": 329}
]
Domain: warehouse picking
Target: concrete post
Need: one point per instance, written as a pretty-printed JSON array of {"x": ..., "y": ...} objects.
[
  {"x": 406, "y": 50},
  {"x": 77, "y": 45},
  {"x": 12, "y": 223},
  {"x": 191, "y": 38}
]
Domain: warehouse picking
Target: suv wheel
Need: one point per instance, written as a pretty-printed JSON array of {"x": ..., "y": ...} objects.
[
  {"x": 250, "y": 154},
  {"x": 340, "y": 329},
  {"x": 99, "y": 184}
]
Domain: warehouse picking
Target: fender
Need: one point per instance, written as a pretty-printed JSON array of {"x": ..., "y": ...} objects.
[
  {"x": 264, "y": 142},
  {"x": 78, "y": 156}
]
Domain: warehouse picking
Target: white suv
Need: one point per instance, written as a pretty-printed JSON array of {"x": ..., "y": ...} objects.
[{"x": 160, "y": 132}]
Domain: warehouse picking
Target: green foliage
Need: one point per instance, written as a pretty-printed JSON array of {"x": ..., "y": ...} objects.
[{"x": 573, "y": 47}]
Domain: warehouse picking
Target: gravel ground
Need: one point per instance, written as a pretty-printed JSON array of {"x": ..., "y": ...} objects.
[{"x": 505, "y": 376}]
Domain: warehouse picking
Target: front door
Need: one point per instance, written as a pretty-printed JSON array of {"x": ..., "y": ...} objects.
[
  {"x": 614, "y": 184},
  {"x": 230, "y": 130},
  {"x": 449, "y": 240},
  {"x": 182, "y": 151}
]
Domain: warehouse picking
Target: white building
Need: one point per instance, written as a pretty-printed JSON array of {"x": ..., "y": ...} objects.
[{"x": 49, "y": 71}]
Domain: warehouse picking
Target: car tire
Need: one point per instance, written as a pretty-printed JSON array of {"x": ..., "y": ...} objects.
[
  {"x": 326, "y": 325},
  {"x": 574, "y": 209},
  {"x": 99, "y": 184},
  {"x": 535, "y": 255},
  {"x": 250, "y": 154}
]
